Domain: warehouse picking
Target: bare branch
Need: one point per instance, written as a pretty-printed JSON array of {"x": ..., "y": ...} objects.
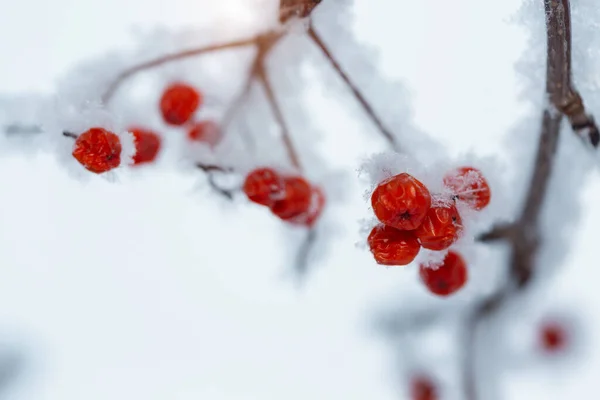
[
  {"x": 15, "y": 129},
  {"x": 559, "y": 85},
  {"x": 387, "y": 134},
  {"x": 122, "y": 77}
]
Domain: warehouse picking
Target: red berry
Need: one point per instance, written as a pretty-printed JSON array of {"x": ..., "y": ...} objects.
[
  {"x": 422, "y": 388},
  {"x": 98, "y": 150},
  {"x": 401, "y": 201},
  {"x": 470, "y": 186},
  {"x": 441, "y": 227},
  {"x": 147, "y": 144},
  {"x": 296, "y": 201},
  {"x": 553, "y": 337},
  {"x": 448, "y": 277},
  {"x": 205, "y": 131},
  {"x": 178, "y": 103},
  {"x": 310, "y": 216},
  {"x": 391, "y": 246},
  {"x": 264, "y": 186}
]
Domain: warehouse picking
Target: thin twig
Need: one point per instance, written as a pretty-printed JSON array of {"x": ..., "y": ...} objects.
[
  {"x": 69, "y": 134},
  {"x": 277, "y": 112},
  {"x": 123, "y": 76},
  {"x": 14, "y": 129},
  {"x": 302, "y": 256},
  {"x": 366, "y": 106}
]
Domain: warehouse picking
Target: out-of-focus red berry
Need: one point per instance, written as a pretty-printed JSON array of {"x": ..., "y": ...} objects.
[
  {"x": 315, "y": 209},
  {"x": 391, "y": 246},
  {"x": 147, "y": 145},
  {"x": 553, "y": 337},
  {"x": 423, "y": 388},
  {"x": 470, "y": 186},
  {"x": 206, "y": 132},
  {"x": 264, "y": 186},
  {"x": 448, "y": 277},
  {"x": 441, "y": 227},
  {"x": 401, "y": 202},
  {"x": 98, "y": 150},
  {"x": 179, "y": 102},
  {"x": 296, "y": 201}
]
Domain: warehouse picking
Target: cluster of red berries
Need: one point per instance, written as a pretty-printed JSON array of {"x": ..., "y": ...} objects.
[
  {"x": 99, "y": 150},
  {"x": 291, "y": 198},
  {"x": 411, "y": 217}
]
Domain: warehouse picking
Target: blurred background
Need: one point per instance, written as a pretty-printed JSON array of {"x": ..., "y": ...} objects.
[{"x": 149, "y": 286}]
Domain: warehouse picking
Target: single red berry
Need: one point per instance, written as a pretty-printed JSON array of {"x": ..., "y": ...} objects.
[
  {"x": 448, "y": 277},
  {"x": 206, "y": 132},
  {"x": 470, "y": 186},
  {"x": 98, "y": 150},
  {"x": 310, "y": 216},
  {"x": 553, "y": 337},
  {"x": 423, "y": 388},
  {"x": 441, "y": 227},
  {"x": 391, "y": 246},
  {"x": 147, "y": 145},
  {"x": 264, "y": 186},
  {"x": 401, "y": 201},
  {"x": 179, "y": 102},
  {"x": 296, "y": 201}
]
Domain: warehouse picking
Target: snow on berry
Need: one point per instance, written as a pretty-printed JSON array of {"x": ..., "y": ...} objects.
[
  {"x": 391, "y": 246},
  {"x": 470, "y": 186},
  {"x": 147, "y": 145},
  {"x": 447, "y": 278},
  {"x": 98, "y": 150},
  {"x": 179, "y": 102},
  {"x": 441, "y": 227}
]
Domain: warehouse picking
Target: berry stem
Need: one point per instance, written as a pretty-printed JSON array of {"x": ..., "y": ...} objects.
[
  {"x": 278, "y": 114},
  {"x": 368, "y": 109}
]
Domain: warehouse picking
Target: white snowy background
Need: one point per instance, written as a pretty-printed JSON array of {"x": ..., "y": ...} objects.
[{"x": 148, "y": 287}]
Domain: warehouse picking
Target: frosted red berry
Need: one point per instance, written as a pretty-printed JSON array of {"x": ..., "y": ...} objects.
[
  {"x": 401, "y": 202},
  {"x": 447, "y": 278},
  {"x": 98, "y": 150},
  {"x": 441, "y": 227},
  {"x": 553, "y": 337},
  {"x": 470, "y": 186},
  {"x": 296, "y": 200},
  {"x": 391, "y": 246},
  {"x": 423, "y": 388},
  {"x": 147, "y": 145},
  {"x": 205, "y": 132},
  {"x": 264, "y": 186},
  {"x": 179, "y": 102}
]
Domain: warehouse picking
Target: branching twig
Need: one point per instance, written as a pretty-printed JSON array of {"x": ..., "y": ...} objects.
[
  {"x": 122, "y": 77},
  {"x": 366, "y": 106}
]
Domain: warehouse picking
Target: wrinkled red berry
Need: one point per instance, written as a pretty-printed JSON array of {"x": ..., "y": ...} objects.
[
  {"x": 470, "y": 186},
  {"x": 264, "y": 186},
  {"x": 296, "y": 200},
  {"x": 98, "y": 150},
  {"x": 147, "y": 145},
  {"x": 441, "y": 227},
  {"x": 206, "y": 132},
  {"x": 422, "y": 388},
  {"x": 179, "y": 102},
  {"x": 401, "y": 202},
  {"x": 448, "y": 277},
  {"x": 391, "y": 246},
  {"x": 553, "y": 337}
]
